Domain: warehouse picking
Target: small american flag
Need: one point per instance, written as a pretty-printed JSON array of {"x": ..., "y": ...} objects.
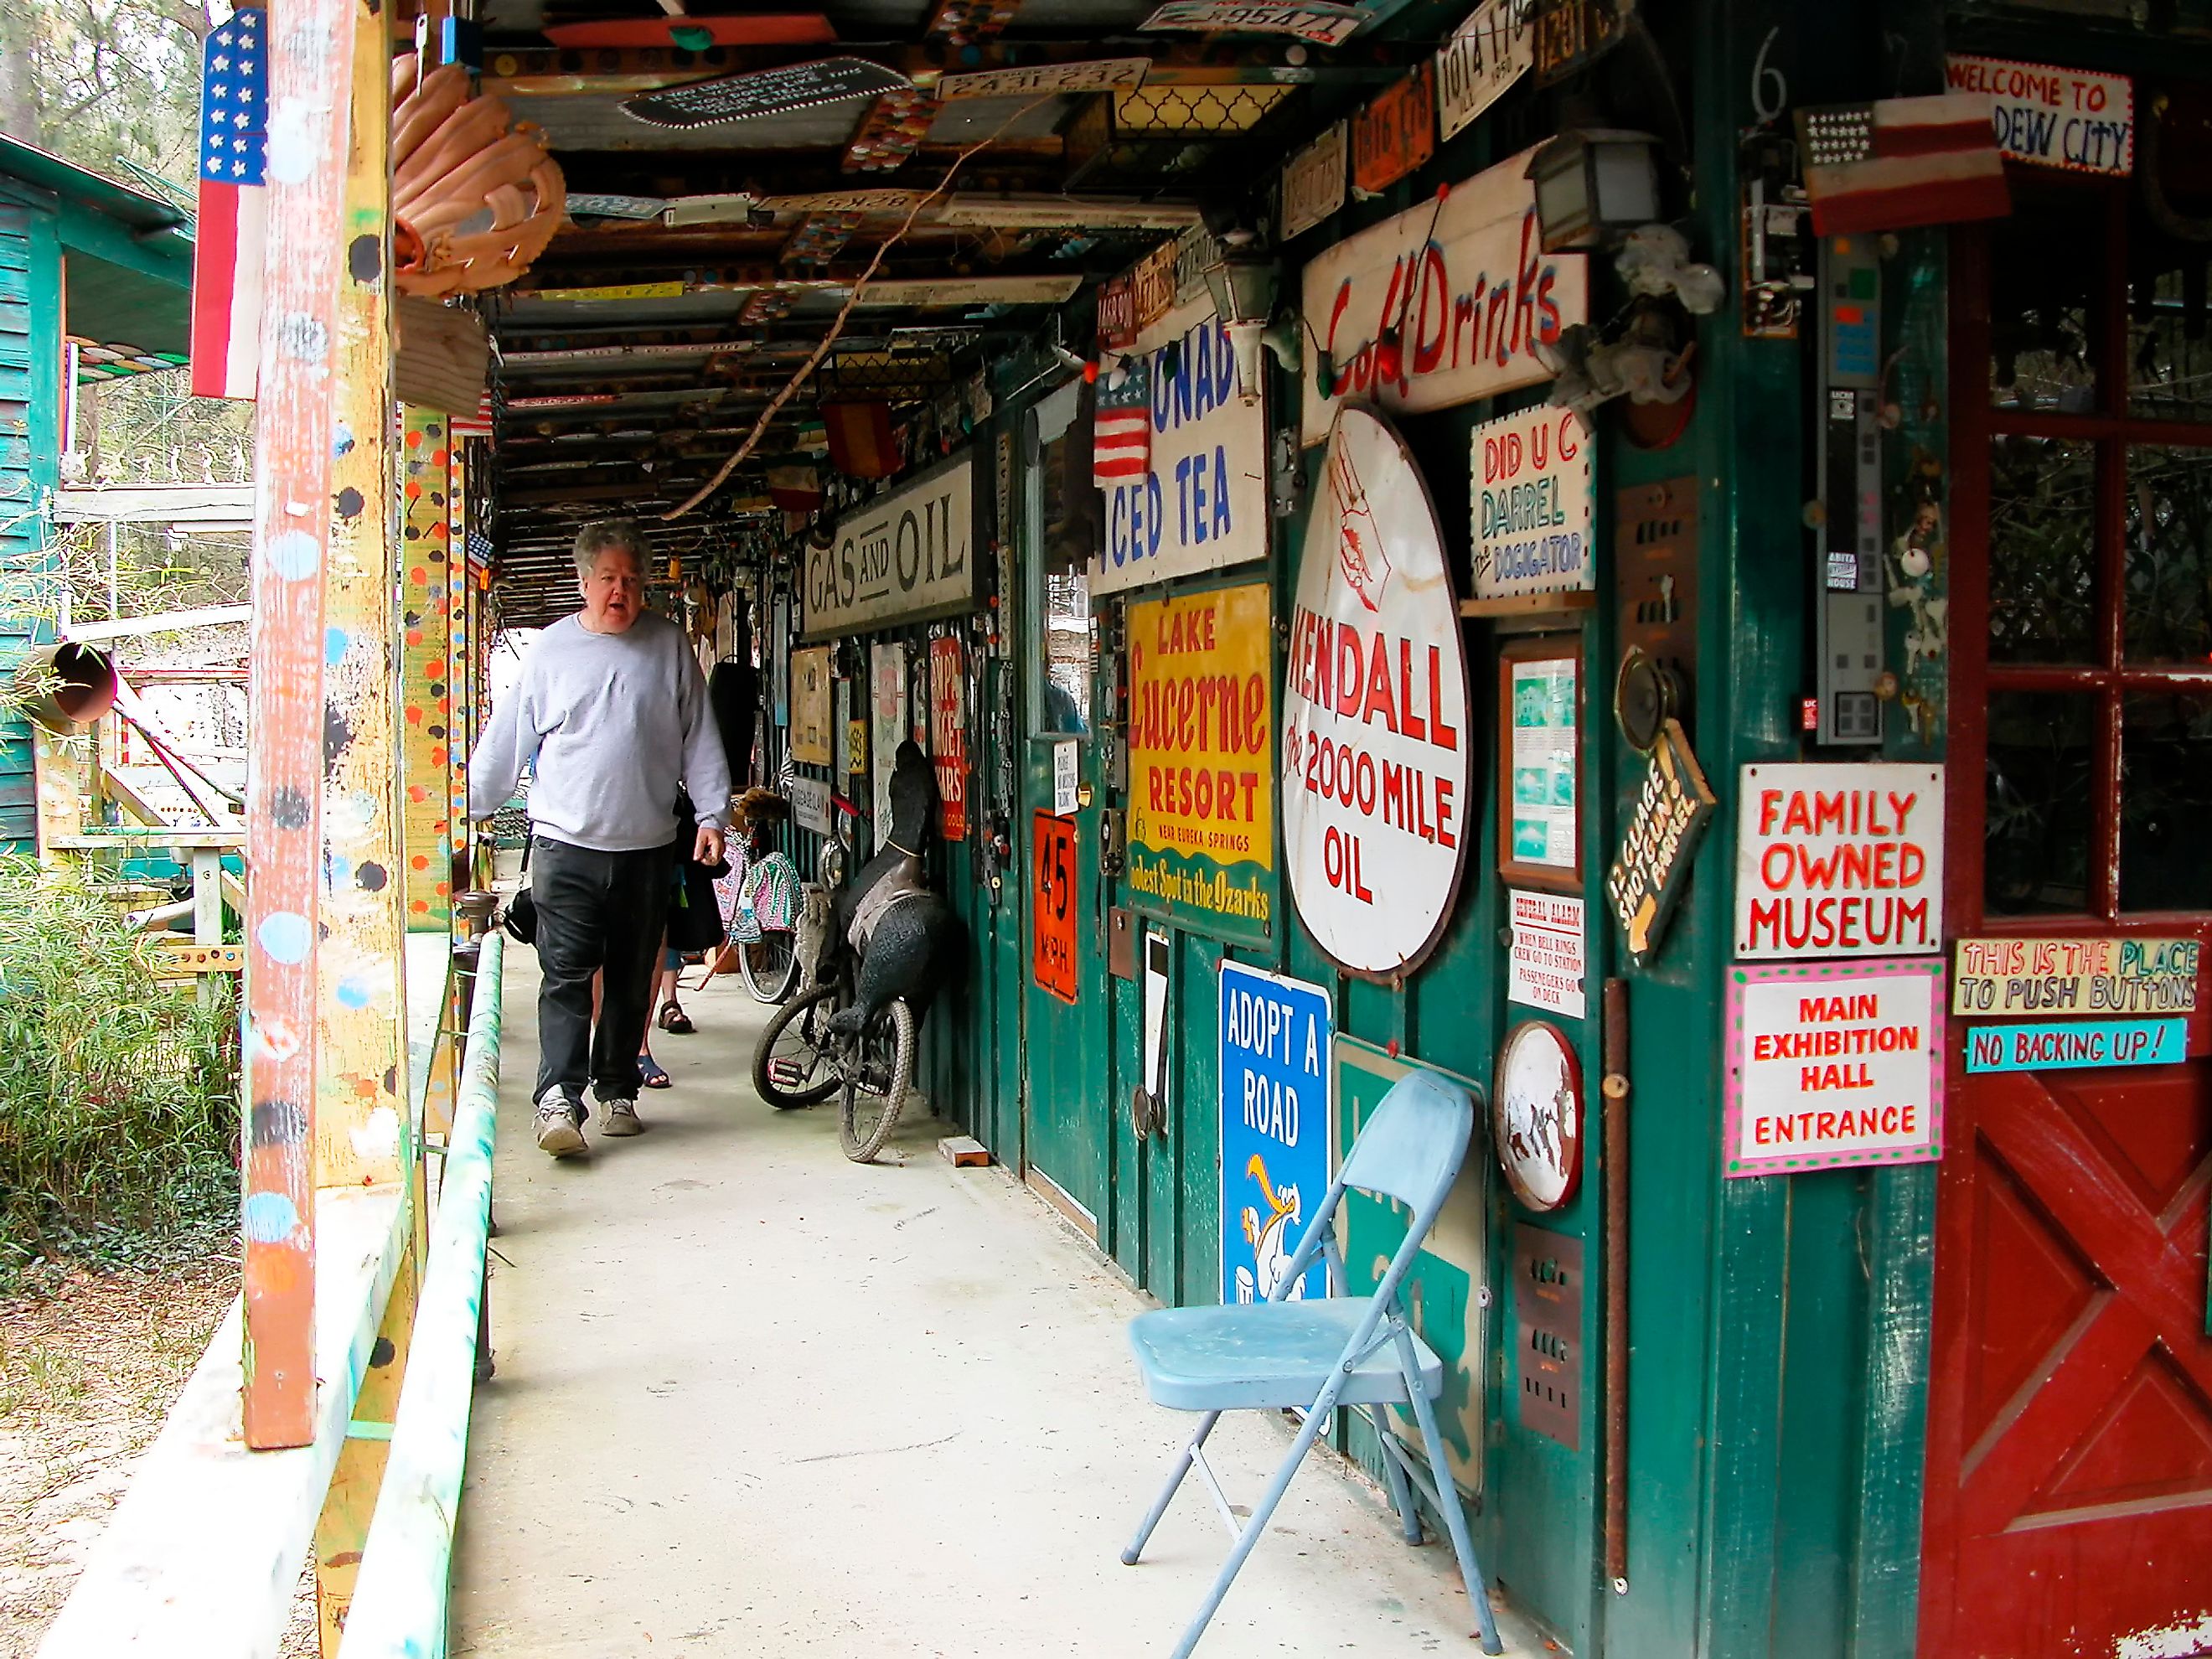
[
  {"x": 1121, "y": 443},
  {"x": 227, "y": 260},
  {"x": 1899, "y": 162},
  {"x": 477, "y": 425}
]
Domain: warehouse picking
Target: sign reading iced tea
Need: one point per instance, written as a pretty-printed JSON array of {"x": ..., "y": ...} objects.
[
  {"x": 1375, "y": 747},
  {"x": 1840, "y": 860},
  {"x": 1202, "y": 760},
  {"x": 1834, "y": 1063}
]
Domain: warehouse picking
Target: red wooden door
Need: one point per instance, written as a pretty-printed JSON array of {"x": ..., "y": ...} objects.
[{"x": 2070, "y": 1449}]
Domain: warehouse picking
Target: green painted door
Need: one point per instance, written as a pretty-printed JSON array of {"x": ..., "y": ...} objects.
[{"x": 1065, "y": 1122}]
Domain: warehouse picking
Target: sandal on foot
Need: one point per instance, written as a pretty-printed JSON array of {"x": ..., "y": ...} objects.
[
  {"x": 673, "y": 1019},
  {"x": 655, "y": 1073}
]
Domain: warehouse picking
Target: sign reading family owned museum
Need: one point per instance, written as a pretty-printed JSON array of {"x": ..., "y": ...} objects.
[
  {"x": 1201, "y": 845},
  {"x": 1840, "y": 860},
  {"x": 903, "y": 557},
  {"x": 1375, "y": 755},
  {"x": 1444, "y": 303},
  {"x": 1201, "y": 503}
]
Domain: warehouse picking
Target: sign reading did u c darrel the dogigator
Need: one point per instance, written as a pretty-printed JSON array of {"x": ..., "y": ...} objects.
[{"x": 1376, "y": 767}]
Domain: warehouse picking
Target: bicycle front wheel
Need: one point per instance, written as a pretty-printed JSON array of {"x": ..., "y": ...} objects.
[
  {"x": 795, "y": 1063},
  {"x": 770, "y": 965},
  {"x": 879, "y": 1077}
]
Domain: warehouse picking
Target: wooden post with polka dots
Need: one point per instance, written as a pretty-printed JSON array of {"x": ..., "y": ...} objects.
[
  {"x": 310, "y": 49},
  {"x": 426, "y": 552}
]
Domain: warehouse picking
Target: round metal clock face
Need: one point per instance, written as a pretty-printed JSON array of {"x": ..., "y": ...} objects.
[{"x": 1536, "y": 1116}]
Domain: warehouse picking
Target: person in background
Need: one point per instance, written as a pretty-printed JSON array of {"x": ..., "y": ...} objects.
[{"x": 612, "y": 706}]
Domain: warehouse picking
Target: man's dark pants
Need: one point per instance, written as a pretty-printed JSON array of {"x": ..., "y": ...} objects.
[{"x": 596, "y": 910}]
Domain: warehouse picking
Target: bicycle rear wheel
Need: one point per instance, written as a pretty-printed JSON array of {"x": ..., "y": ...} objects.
[
  {"x": 770, "y": 965},
  {"x": 879, "y": 1075},
  {"x": 794, "y": 1062}
]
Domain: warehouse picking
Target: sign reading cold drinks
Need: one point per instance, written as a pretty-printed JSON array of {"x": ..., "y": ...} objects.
[
  {"x": 1834, "y": 1063},
  {"x": 1374, "y": 754},
  {"x": 1202, "y": 760},
  {"x": 1840, "y": 860}
]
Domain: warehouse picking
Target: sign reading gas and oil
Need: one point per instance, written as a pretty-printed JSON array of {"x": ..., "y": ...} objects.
[
  {"x": 903, "y": 557},
  {"x": 1444, "y": 303},
  {"x": 1202, "y": 502},
  {"x": 1840, "y": 860},
  {"x": 1201, "y": 847}
]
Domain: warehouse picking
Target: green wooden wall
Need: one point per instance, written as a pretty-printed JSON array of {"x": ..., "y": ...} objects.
[{"x": 30, "y": 426}]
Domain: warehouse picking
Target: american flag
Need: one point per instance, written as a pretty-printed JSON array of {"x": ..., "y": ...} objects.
[
  {"x": 1121, "y": 441},
  {"x": 1899, "y": 162},
  {"x": 477, "y": 425},
  {"x": 226, "y": 261}
]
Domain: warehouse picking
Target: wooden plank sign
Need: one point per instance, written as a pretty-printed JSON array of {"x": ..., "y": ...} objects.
[
  {"x": 765, "y": 92},
  {"x": 1153, "y": 280},
  {"x": 1653, "y": 865},
  {"x": 1396, "y": 133},
  {"x": 1571, "y": 33},
  {"x": 2052, "y": 978},
  {"x": 1322, "y": 23},
  {"x": 1040, "y": 80},
  {"x": 1052, "y": 915}
]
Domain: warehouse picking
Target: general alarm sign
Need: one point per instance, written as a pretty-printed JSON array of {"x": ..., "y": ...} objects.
[{"x": 1840, "y": 860}]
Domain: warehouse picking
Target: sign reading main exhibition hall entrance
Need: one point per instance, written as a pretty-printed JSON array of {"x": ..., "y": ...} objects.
[
  {"x": 1840, "y": 860},
  {"x": 1201, "y": 761},
  {"x": 1834, "y": 1063},
  {"x": 1202, "y": 501},
  {"x": 1375, "y": 763},
  {"x": 1462, "y": 289},
  {"x": 902, "y": 557}
]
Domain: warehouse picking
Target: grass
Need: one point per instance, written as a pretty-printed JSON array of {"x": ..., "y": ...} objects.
[{"x": 118, "y": 1092}]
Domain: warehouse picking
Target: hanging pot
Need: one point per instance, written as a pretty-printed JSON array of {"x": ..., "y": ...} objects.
[{"x": 65, "y": 687}]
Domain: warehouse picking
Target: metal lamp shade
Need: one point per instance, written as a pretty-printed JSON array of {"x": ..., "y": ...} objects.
[{"x": 1593, "y": 180}]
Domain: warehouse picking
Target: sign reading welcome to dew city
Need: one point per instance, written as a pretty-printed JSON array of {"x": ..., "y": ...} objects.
[
  {"x": 1483, "y": 295},
  {"x": 902, "y": 558},
  {"x": 2052, "y": 116},
  {"x": 1202, "y": 504}
]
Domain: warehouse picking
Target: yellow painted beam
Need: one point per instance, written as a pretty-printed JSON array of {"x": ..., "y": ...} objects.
[
  {"x": 425, "y": 609},
  {"x": 459, "y": 645}
]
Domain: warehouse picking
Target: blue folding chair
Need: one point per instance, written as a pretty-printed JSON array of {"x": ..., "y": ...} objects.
[{"x": 1344, "y": 1351}]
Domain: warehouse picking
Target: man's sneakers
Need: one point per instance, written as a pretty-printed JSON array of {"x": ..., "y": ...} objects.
[
  {"x": 618, "y": 1116},
  {"x": 559, "y": 1117}
]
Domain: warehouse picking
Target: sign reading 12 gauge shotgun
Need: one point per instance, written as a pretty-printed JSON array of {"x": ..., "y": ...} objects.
[{"x": 1840, "y": 860}]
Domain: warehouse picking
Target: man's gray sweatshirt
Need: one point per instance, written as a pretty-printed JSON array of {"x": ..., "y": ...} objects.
[{"x": 615, "y": 722}]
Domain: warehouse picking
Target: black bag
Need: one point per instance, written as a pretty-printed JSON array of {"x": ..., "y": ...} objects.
[
  {"x": 695, "y": 916},
  {"x": 519, "y": 916}
]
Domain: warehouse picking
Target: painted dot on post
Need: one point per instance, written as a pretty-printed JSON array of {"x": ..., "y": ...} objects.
[
  {"x": 294, "y": 556},
  {"x": 269, "y": 1218},
  {"x": 285, "y": 936},
  {"x": 334, "y": 641}
]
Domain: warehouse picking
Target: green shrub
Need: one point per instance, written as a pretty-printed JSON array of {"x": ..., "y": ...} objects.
[{"x": 119, "y": 1093}]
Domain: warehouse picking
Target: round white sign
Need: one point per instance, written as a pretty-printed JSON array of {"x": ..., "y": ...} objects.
[
  {"x": 1376, "y": 740},
  {"x": 1536, "y": 1116}
]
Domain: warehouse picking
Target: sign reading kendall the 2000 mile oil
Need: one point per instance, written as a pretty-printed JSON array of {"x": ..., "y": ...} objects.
[
  {"x": 902, "y": 557},
  {"x": 1201, "y": 761}
]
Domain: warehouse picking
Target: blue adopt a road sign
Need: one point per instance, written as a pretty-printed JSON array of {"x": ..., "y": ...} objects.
[{"x": 1275, "y": 1128}]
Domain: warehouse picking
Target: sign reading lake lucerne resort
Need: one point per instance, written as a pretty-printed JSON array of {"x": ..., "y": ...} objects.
[
  {"x": 1834, "y": 1063},
  {"x": 1201, "y": 503},
  {"x": 1375, "y": 753},
  {"x": 1444, "y": 303},
  {"x": 1201, "y": 847},
  {"x": 1274, "y": 1129},
  {"x": 1840, "y": 860},
  {"x": 902, "y": 557}
]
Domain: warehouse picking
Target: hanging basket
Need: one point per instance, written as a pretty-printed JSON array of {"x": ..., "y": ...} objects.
[{"x": 65, "y": 687}]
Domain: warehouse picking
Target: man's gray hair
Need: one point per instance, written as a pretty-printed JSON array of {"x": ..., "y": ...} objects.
[{"x": 602, "y": 534}]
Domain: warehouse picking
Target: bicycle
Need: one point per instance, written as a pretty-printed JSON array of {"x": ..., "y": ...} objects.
[{"x": 808, "y": 1053}]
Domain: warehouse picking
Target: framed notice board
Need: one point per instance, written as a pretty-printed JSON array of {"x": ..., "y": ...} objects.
[{"x": 1539, "y": 762}]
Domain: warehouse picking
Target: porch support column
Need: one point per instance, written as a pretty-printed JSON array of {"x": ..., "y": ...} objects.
[
  {"x": 311, "y": 52},
  {"x": 425, "y": 611},
  {"x": 453, "y": 695}
]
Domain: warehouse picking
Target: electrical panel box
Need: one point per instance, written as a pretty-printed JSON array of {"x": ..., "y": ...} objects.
[{"x": 1848, "y": 611}]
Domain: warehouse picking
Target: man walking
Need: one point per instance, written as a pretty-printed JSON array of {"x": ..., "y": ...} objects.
[{"x": 612, "y": 705}]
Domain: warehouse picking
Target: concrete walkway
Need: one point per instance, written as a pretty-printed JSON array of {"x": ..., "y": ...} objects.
[{"x": 755, "y": 1400}]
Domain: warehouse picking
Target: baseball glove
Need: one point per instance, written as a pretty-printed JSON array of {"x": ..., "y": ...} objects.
[{"x": 475, "y": 198}]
